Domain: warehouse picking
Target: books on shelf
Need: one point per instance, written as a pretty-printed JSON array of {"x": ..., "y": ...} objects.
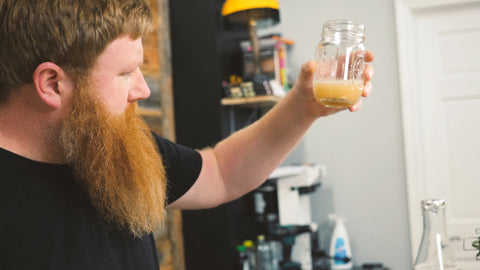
[{"x": 273, "y": 59}]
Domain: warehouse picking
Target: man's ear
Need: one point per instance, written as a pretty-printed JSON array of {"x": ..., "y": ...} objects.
[{"x": 52, "y": 84}]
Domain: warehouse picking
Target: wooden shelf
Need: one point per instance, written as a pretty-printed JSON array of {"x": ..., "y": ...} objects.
[
  {"x": 149, "y": 112},
  {"x": 258, "y": 101}
]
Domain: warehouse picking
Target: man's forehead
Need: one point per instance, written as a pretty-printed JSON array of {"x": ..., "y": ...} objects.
[{"x": 122, "y": 51}]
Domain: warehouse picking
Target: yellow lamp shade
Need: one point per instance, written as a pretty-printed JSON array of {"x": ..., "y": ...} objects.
[
  {"x": 232, "y": 6},
  {"x": 238, "y": 14}
]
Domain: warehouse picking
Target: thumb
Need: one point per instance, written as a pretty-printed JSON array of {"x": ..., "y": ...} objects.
[{"x": 306, "y": 72}]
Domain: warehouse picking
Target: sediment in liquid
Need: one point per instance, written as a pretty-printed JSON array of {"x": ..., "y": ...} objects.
[{"x": 338, "y": 93}]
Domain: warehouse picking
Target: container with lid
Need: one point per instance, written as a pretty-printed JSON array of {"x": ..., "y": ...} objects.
[{"x": 338, "y": 77}]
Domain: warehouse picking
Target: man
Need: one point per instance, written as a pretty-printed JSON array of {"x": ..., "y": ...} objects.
[{"x": 84, "y": 182}]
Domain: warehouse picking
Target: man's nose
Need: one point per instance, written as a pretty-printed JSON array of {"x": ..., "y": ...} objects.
[{"x": 140, "y": 88}]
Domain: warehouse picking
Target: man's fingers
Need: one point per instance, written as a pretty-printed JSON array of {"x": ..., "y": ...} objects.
[
  {"x": 356, "y": 107},
  {"x": 369, "y": 56},
  {"x": 367, "y": 88},
  {"x": 368, "y": 72}
]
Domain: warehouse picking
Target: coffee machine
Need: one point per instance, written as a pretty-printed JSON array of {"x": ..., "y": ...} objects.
[{"x": 282, "y": 206}]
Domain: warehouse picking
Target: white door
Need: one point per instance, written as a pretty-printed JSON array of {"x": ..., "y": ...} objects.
[{"x": 439, "y": 57}]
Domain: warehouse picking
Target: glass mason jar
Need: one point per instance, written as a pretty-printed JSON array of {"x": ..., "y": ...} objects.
[
  {"x": 435, "y": 251},
  {"x": 338, "y": 77}
]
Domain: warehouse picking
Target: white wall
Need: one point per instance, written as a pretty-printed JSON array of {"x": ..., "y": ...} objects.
[{"x": 363, "y": 151}]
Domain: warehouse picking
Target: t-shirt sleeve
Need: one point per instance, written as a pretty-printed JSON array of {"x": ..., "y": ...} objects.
[{"x": 182, "y": 167}]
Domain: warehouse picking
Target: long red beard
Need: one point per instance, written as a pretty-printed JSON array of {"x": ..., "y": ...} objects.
[{"x": 117, "y": 160}]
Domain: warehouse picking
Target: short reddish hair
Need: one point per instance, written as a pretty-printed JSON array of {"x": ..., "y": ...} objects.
[{"x": 70, "y": 33}]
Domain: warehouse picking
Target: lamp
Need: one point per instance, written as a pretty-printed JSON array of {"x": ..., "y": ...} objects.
[{"x": 242, "y": 15}]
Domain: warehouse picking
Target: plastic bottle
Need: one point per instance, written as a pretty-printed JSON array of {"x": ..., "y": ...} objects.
[
  {"x": 276, "y": 251},
  {"x": 340, "y": 251},
  {"x": 435, "y": 251},
  {"x": 250, "y": 251},
  {"x": 264, "y": 254},
  {"x": 241, "y": 260}
]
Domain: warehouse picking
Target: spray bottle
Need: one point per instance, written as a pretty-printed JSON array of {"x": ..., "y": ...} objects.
[{"x": 340, "y": 251}]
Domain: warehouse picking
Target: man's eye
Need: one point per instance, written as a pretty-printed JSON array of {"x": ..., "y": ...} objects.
[{"x": 128, "y": 73}]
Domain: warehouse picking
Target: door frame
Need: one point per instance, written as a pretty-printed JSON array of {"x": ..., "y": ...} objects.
[{"x": 406, "y": 14}]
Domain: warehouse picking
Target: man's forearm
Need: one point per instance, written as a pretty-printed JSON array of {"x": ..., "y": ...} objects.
[{"x": 248, "y": 157}]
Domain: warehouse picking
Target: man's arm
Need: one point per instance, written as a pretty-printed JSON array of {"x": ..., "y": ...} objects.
[{"x": 241, "y": 162}]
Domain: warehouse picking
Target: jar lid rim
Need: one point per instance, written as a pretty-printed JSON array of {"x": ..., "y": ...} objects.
[
  {"x": 434, "y": 204},
  {"x": 340, "y": 24}
]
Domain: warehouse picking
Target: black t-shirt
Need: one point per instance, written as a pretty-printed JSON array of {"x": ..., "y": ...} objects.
[{"x": 47, "y": 221}]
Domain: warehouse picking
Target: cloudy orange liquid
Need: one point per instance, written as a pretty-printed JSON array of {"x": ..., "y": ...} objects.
[{"x": 338, "y": 93}]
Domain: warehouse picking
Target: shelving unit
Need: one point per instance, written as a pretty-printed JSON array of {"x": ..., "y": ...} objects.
[
  {"x": 255, "y": 104},
  {"x": 258, "y": 101},
  {"x": 202, "y": 118}
]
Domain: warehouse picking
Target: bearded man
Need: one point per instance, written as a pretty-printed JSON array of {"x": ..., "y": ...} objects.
[{"x": 84, "y": 181}]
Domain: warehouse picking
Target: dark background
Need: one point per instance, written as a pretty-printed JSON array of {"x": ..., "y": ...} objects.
[{"x": 204, "y": 55}]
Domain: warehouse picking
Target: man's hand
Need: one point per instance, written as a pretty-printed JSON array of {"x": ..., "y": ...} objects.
[{"x": 304, "y": 88}]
